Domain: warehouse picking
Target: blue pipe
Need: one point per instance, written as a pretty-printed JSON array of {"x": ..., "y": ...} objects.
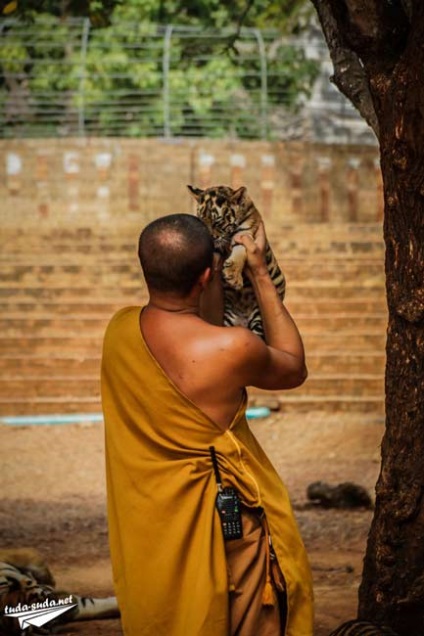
[
  {"x": 78, "y": 418},
  {"x": 34, "y": 420}
]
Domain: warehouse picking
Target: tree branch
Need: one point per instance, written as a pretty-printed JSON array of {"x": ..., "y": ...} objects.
[
  {"x": 231, "y": 42},
  {"x": 349, "y": 74}
]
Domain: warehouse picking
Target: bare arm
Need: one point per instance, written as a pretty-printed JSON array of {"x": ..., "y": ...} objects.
[{"x": 280, "y": 363}]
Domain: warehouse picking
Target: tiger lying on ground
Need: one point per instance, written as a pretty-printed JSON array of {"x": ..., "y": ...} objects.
[
  {"x": 26, "y": 579},
  {"x": 345, "y": 495},
  {"x": 227, "y": 212}
]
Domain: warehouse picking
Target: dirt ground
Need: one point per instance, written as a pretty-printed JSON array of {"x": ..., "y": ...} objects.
[{"x": 53, "y": 498}]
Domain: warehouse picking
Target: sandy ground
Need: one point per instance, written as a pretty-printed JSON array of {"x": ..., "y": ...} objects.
[{"x": 53, "y": 498}]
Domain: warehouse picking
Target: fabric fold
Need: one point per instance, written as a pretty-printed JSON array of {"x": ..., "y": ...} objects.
[{"x": 166, "y": 544}]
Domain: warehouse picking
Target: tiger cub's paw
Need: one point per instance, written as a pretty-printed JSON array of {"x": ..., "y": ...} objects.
[{"x": 232, "y": 274}]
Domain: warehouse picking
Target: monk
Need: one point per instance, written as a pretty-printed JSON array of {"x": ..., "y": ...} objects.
[{"x": 173, "y": 385}]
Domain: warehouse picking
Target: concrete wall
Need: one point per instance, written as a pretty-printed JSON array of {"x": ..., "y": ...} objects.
[{"x": 87, "y": 181}]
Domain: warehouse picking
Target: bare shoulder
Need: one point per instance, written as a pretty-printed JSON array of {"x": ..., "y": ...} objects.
[
  {"x": 247, "y": 341},
  {"x": 254, "y": 363},
  {"x": 243, "y": 345}
]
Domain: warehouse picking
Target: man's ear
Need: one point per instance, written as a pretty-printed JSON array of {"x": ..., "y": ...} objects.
[
  {"x": 205, "y": 277},
  {"x": 195, "y": 192}
]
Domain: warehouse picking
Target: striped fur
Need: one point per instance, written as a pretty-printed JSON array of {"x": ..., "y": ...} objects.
[
  {"x": 362, "y": 628},
  {"x": 26, "y": 579},
  {"x": 226, "y": 212}
]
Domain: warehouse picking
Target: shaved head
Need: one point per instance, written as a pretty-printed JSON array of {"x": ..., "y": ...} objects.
[{"x": 174, "y": 251}]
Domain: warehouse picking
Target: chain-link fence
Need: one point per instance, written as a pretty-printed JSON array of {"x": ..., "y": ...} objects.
[{"x": 67, "y": 79}]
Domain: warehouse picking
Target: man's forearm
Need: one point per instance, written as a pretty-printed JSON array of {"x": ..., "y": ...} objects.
[{"x": 280, "y": 329}]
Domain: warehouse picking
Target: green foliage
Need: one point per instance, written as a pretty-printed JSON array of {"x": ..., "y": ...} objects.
[
  {"x": 214, "y": 84},
  {"x": 98, "y": 11},
  {"x": 13, "y": 56}
]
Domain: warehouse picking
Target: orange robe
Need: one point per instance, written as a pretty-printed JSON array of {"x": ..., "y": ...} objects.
[{"x": 166, "y": 544}]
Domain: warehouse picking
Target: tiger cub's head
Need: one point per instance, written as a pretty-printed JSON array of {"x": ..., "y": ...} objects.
[{"x": 225, "y": 212}]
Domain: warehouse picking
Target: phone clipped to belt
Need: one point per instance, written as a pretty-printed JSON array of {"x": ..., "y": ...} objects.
[{"x": 228, "y": 505}]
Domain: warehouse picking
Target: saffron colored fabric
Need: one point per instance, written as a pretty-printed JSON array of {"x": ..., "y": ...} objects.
[{"x": 168, "y": 555}]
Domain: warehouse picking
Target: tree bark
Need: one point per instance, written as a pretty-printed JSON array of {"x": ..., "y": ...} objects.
[
  {"x": 388, "y": 40},
  {"x": 349, "y": 73}
]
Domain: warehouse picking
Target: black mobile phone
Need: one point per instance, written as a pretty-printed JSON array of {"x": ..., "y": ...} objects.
[
  {"x": 229, "y": 509},
  {"x": 228, "y": 505}
]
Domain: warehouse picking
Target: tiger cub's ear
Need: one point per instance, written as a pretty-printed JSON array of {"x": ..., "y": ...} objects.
[
  {"x": 195, "y": 192},
  {"x": 239, "y": 194}
]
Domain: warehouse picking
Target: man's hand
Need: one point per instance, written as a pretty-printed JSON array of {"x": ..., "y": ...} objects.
[
  {"x": 283, "y": 360},
  {"x": 255, "y": 252}
]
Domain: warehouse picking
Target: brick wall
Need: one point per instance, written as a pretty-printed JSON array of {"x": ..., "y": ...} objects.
[{"x": 85, "y": 181}]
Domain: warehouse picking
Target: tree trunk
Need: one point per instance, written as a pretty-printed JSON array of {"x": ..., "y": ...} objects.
[
  {"x": 388, "y": 38},
  {"x": 392, "y": 588}
]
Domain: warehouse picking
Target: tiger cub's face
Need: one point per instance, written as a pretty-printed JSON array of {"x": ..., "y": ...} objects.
[{"x": 225, "y": 212}]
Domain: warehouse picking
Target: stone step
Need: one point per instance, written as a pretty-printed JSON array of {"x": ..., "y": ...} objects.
[
  {"x": 84, "y": 343},
  {"x": 339, "y": 246},
  {"x": 87, "y": 276},
  {"x": 105, "y": 309},
  {"x": 361, "y": 291},
  {"x": 284, "y": 247},
  {"x": 342, "y": 384},
  {"x": 60, "y": 286},
  {"x": 358, "y": 362},
  {"x": 42, "y": 308},
  {"x": 348, "y": 341},
  {"x": 374, "y": 303},
  {"x": 41, "y": 292},
  {"x": 297, "y": 255},
  {"x": 366, "y": 291},
  {"x": 50, "y": 387},
  {"x": 92, "y": 277},
  {"x": 45, "y": 327},
  {"x": 26, "y": 365},
  {"x": 124, "y": 232},
  {"x": 85, "y": 386},
  {"x": 285, "y": 250},
  {"x": 14, "y": 324},
  {"x": 63, "y": 405},
  {"x": 68, "y": 362},
  {"x": 288, "y": 403},
  {"x": 328, "y": 403},
  {"x": 125, "y": 269},
  {"x": 342, "y": 322}
]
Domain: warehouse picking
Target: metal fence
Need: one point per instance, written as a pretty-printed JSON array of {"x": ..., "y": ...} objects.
[{"x": 67, "y": 79}]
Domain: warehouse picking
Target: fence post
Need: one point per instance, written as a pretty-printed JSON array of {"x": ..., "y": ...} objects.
[
  {"x": 165, "y": 69},
  {"x": 81, "y": 107},
  {"x": 264, "y": 83}
]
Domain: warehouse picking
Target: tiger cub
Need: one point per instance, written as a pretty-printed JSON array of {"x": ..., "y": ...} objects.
[
  {"x": 26, "y": 579},
  {"x": 362, "y": 628},
  {"x": 226, "y": 212}
]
